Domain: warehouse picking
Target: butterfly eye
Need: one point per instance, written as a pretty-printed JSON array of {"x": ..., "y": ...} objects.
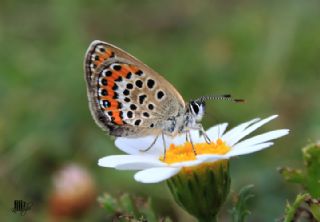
[
  {"x": 197, "y": 109},
  {"x": 194, "y": 107}
]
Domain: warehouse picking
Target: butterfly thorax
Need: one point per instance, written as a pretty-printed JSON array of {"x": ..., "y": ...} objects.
[{"x": 186, "y": 119}]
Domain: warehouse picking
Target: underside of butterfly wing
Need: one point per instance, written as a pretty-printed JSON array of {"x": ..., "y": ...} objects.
[{"x": 126, "y": 97}]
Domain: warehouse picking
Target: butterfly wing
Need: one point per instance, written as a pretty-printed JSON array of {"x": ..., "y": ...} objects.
[{"x": 126, "y": 97}]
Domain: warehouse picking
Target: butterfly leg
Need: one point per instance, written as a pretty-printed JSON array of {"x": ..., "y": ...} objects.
[
  {"x": 205, "y": 135},
  {"x": 151, "y": 145},
  {"x": 164, "y": 146},
  {"x": 189, "y": 139}
]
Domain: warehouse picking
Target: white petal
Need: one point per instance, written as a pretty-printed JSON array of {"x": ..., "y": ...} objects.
[
  {"x": 265, "y": 137},
  {"x": 195, "y": 136},
  {"x": 186, "y": 163},
  {"x": 180, "y": 139},
  {"x": 211, "y": 157},
  {"x": 251, "y": 149},
  {"x": 135, "y": 165},
  {"x": 135, "y": 145},
  {"x": 155, "y": 175},
  {"x": 230, "y": 136},
  {"x": 119, "y": 161},
  {"x": 217, "y": 131},
  {"x": 252, "y": 128},
  {"x": 112, "y": 161}
]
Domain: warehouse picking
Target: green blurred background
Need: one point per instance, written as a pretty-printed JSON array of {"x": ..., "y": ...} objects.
[{"x": 264, "y": 51}]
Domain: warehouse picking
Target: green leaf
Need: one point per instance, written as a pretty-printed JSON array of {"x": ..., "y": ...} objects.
[
  {"x": 309, "y": 178},
  {"x": 314, "y": 208},
  {"x": 291, "y": 209},
  {"x": 311, "y": 156},
  {"x": 128, "y": 208},
  {"x": 146, "y": 209},
  {"x": 127, "y": 204},
  {"x": 109, "y": 203},
  {"x": 292, "y": 175},
  {"x": 240, "y": 210}
]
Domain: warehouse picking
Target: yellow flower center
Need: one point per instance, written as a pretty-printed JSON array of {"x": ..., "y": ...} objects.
[{"x": 185, "y": 152}]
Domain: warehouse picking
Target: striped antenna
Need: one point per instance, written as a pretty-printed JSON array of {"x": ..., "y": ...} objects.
[{"x": 220, "y": 97}]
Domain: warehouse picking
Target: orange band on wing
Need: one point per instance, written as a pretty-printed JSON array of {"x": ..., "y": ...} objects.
[
  {"x": 103, "y": 56},
  {"x": 111, "y": 85},
  {"x": 117, "y": 118},
  {"x": 133, "y": 68}
]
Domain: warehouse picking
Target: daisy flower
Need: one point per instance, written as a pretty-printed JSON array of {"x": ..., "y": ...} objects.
[
  {"x": 153, "y": 168},
  {"x": 199, "y": 183}
]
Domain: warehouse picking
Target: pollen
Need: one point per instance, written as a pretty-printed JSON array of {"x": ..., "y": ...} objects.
[{"x": 184, "y": 152}]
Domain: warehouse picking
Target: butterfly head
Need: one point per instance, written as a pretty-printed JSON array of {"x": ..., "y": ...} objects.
[{"x": 196, "y": 109}]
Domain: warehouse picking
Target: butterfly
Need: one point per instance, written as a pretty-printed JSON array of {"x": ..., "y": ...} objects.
[{"x": 129, "y": 99}]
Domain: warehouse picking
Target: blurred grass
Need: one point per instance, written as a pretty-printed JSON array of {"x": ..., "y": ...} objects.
[{"x": 264, "y": 51}]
